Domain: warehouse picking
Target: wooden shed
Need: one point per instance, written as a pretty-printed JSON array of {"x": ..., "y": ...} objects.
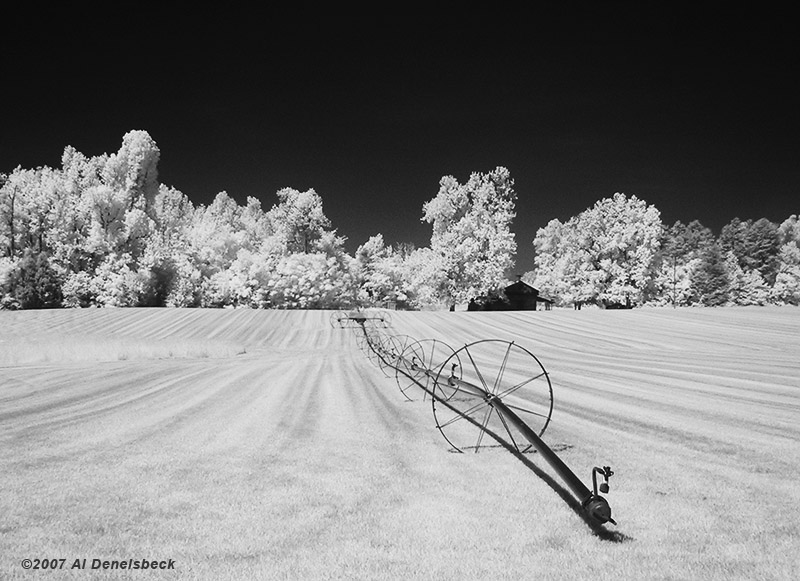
[
  {"x": 518, "y": 296},
  {"x": 521, "y": 296}
]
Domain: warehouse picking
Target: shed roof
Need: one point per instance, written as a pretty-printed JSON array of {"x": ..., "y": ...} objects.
[{"x": 521, "y": 288}]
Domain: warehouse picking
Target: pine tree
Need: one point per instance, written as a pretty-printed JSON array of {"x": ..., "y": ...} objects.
[
  {"x": 710, "y": 282},
  {"x": 754, "y": 244},
  {"x": 35, "y": 284}
]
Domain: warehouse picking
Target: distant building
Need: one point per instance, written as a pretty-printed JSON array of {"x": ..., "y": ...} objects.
[{"x": 518, "y": 296}]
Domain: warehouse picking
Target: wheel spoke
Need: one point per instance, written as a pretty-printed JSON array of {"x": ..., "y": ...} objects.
[
  {"x": 482, "y": 431},
  {"x": 521, "y": 384},
  {"x": 477, "y": 371},
  {"x": 502, "y": 369},
  {"x": 459, "y": 415},
  {"x": 527, "y": 411},
  {"x": 508, "y": 430}
]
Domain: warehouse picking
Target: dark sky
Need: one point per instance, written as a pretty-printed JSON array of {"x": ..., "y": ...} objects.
[{"x": 694, "y": 110}]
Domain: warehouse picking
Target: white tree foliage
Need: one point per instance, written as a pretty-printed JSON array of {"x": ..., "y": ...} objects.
[
  {"x": 746, "y": 287},
  {"x": 472, "y": 235},
  {"x": 133, "y": 170},
  {"x": 786, "y": 289},
  {"x": 299, "y": 220},
  {"x": 102, "y": 231},
  {"x": 672, "y": 283},
  {"x": 379, "y": 273},
  {"x": 606, "y": 254}
]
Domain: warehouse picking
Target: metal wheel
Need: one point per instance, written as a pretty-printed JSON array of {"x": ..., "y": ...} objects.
[
  {"x": 418, "y": 365},
  {"x": 477, "y": 375},
  {"x": 387, "y": 318},
  {"x": 382, "y": 319},
  {"x": 385, "y": 348},
  {"x": 372, "y": 344},
  {"x": 390, "y": 350},
  {"x": 338, "y": 319}
]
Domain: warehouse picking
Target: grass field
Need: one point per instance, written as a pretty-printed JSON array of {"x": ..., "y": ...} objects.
[{"x": 249, "y": 444}]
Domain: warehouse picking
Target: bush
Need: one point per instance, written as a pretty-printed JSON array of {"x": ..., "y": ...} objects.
[
  {"x": 7, "y": 268},
  {"x": 34, "y": 284},
  {"x": 114, "y": 284},
  {"x": 77, "y": 290}
]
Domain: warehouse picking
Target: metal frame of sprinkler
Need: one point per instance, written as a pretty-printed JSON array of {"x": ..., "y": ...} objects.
[{"x": 491, "y": 387}]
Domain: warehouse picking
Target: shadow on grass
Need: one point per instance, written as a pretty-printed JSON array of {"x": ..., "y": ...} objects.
[{"x": 598, "y": 529}]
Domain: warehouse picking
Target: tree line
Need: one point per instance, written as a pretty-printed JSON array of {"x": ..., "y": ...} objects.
[
  {"x": 102, "y": 231},
  {"x": 619, "y": 253}
]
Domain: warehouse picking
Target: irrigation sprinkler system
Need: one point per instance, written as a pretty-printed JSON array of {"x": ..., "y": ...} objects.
[{"x": 487, "y": 394}]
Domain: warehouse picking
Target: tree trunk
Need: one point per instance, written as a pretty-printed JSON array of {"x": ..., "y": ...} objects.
[{"x": 11, "y": 222}]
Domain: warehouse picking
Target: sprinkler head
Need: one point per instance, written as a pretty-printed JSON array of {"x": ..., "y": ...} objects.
[{"x": 606, "y": 473}]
